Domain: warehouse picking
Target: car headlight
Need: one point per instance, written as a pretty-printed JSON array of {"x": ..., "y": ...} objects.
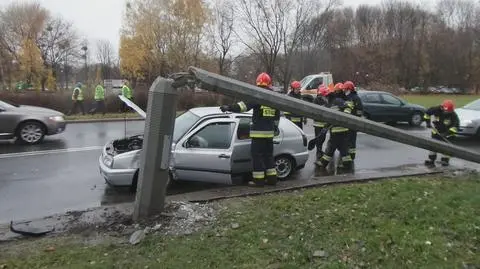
[
  {"x": 108, "y": 161},
  {"x": 466, "y": 123},
  {"x": 57, "y": 118}
]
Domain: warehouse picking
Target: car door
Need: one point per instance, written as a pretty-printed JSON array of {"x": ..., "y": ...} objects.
[
  {"x": 394, "y": 110},
  {"x": 8, "y": 122},
  {"x": 241, "y": 156},
  {"x": 204, "y": 154},
  {"x": 372, "y": 106}
]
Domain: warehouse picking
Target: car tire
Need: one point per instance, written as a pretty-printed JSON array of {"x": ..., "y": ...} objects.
[
  {"x": 416, "y": 119},
  {"x": 30, "y": 132},
  {"x": 285, "y": 166},
  {"x": 477, "y": 135},
  {"x": 133, "y": 187}
]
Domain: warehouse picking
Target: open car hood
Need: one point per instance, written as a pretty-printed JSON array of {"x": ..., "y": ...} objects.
[{"x": 133, "y": 106}]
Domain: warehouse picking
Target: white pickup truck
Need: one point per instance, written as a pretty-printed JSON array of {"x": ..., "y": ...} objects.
[{"x": 311, "y": 83}]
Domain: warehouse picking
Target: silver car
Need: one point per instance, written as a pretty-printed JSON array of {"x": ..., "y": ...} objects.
[
  {"x": 208, "y": 146},
  {"x": 469, "y": 116},
  {"x": 29, "y": 124}
]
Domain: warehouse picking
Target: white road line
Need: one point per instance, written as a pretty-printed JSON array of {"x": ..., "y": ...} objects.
[{"x": 47, "y": 152}]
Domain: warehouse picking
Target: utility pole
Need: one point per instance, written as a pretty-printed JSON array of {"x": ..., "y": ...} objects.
[
  {"x": 155, "y": 157},
  {"x": 85, "y": 48}
]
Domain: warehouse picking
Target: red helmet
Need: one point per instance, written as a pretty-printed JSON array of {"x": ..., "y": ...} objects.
[
  {"x": 338, "y": 86},
  {"x": 348, "y": 85},
  {"x": 295, "y": 85},
  {"x": 264, "y": 80},
  {"x": 448, "y": 105},
  {"x": 322, "y": 90}
]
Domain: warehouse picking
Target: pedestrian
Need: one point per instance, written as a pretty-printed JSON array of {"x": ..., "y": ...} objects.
[
  {"x": 77, "y": 99},
  {"x": 320, "y": 126},
  {"x": 299, "y": 120},
  {"x": 445, "y": 127},
  {"x": 99, "y": 99},
  {"x": 264, "y": 127},
  {"x": 127, "y": 93},
  {"x": 338, "y": 134},
  {"x": 355, "y": 103}
]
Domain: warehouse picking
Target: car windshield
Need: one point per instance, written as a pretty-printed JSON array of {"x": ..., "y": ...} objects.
[
  {"x": 182, "y": 123},
  {"x": 6, "y": 105},
  {"x": 305, "y": 79},
  {"x": 475, "y": 105}
]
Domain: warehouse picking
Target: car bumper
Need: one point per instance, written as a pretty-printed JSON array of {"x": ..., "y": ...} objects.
[
  {"x": 301, "y": 158},
  {"x": 467, "y": 130},
  {"x": 56, "y": 127},
  {"x": 116, "y": 177}
]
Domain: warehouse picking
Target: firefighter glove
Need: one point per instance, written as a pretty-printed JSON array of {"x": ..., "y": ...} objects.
[{"x": 429, "y": 124}]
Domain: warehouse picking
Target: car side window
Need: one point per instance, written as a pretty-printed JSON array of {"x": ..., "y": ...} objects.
[
  {"x": 243, "y": 131},
  {"x": 388, "y": 99},
  {"x": 216, "y": 135},
  {"x": 315, "y": 83},
  {"x": 372, "y": 98}
]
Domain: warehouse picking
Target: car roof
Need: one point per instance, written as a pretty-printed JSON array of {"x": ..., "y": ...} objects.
[
  {"x": 369, "y": 91},
  {"x": 212, "y": 110}
]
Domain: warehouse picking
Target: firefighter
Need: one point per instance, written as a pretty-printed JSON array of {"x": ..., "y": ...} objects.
[
  {"x": 295, "y": 93},
  {"x": 338, "y": 134},
  {"x": 355, "y": 103},
  {"x": 445, "y": 126},
  {"x": 319, "y": 126},
  {"x": 264, "y": 127}
]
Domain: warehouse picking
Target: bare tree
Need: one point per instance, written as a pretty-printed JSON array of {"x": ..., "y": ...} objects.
[
  {"x": 105, "y": 56},
  {"x": 222, "y": 33}
]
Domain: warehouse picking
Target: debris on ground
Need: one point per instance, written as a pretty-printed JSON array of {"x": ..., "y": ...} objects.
[{"x": 136, "y": 237}]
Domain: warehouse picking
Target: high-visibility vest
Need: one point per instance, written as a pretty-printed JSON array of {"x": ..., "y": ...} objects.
[
  {"x": 79, "y": 96},
  {"x": 127, "y": 92},
  {"x": 99, "y": 93}
]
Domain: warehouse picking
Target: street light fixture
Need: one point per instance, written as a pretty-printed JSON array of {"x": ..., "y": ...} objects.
[{"x": 85, "y": 48}]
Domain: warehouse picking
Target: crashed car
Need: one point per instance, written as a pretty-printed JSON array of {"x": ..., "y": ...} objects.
[{"x": 208, "y": 146}]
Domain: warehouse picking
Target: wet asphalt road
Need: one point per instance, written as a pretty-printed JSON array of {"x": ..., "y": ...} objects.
[{"x": 62, "y": 173}]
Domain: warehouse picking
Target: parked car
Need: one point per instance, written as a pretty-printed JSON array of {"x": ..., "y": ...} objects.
[
  {"x": 208, "y": 146},
  {"x": 29, "y": 124},
  {"x": 385, "y": 107},
  {"x": 469, "y": 116}
]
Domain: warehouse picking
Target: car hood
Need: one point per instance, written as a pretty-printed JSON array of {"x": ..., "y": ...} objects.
[
  {"x": 133, "y": 106},
  {"x": 416, "y": 106},
  {"x": 467, "y": 114},
  {"x": 38, "y": 110}
]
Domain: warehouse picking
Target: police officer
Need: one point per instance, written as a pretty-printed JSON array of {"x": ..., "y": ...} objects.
[
  {"x": 355, "y": 103},
  {"x": 295, "y": 93},
  {"x": 77, "y": 99},
  {"x": 319, "y": 126},
  {"x": 264, "y": 126},
  {"x": 445, "y": 125},
  {"x": 99, "y": 99},
  {"x": 127, "y": 93},
  {"x": 338, "y": 134}
]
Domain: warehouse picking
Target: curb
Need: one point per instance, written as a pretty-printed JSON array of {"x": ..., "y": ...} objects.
[{"x": 103, "y": 120}]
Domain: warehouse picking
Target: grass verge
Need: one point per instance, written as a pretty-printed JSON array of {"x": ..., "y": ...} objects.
[
  {"x": 437, "y": 99},
  {"x": 431, "y": 222}
]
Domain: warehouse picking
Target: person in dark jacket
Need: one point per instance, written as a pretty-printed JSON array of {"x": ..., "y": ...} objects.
[
  {"x": 355, "y": 103},
  {"x": 320, "y": 126},
  {"x": 445, "y": 127},
  {"x": 264, "y": 127},
  {"x": 295, "y": 93}
]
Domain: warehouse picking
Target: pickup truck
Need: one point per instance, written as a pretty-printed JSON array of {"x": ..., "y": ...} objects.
[{"x": 311, "y": 83}]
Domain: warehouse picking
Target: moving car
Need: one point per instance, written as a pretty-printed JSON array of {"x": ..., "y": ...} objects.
[
  {"x": 208, "y": 146},
  {"x": 29, "y": 124},
  {"x": 385, "y": 107},
  {"x": 469, "y": 116}
]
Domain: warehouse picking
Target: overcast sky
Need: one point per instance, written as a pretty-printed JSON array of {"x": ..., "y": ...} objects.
[{"x": 101, "y": 19}]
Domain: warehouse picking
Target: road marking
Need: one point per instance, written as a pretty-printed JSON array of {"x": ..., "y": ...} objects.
[{"x": 47, "y": 152}]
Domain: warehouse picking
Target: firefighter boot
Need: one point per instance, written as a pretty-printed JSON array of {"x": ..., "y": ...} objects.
[
  {"x": 444, "y": 161},
  {"x": 271, "y": 177},
  {"x": 431, "y": 159},
  {"x": 258, "y": 179}
]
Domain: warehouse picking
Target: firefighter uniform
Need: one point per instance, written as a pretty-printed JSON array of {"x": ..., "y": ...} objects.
[
  {"x": 297, "y": 119},
  {"x": 355, "y": 103},
  {"x": 445, "y": 123},
  {"x": 264, "y": 125},
  {"x": 318, "y": 126}
]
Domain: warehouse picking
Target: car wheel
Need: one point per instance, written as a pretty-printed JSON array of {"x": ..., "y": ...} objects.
[
  {"x": 285, "y": 166},
  {"x": 478, "y": 134},
  {"x": 416, "y": 119},
  {"x": 133, "y": 187},
  {"x": 31, "y": 132}
]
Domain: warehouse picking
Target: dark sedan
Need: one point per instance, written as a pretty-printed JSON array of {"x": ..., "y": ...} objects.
[{"x": 385, "y": 107}]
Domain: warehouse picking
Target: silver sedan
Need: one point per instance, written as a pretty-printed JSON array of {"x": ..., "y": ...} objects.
[
  {"x": 208, "y": 146},
  {"x": 469, "y": 116}
]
